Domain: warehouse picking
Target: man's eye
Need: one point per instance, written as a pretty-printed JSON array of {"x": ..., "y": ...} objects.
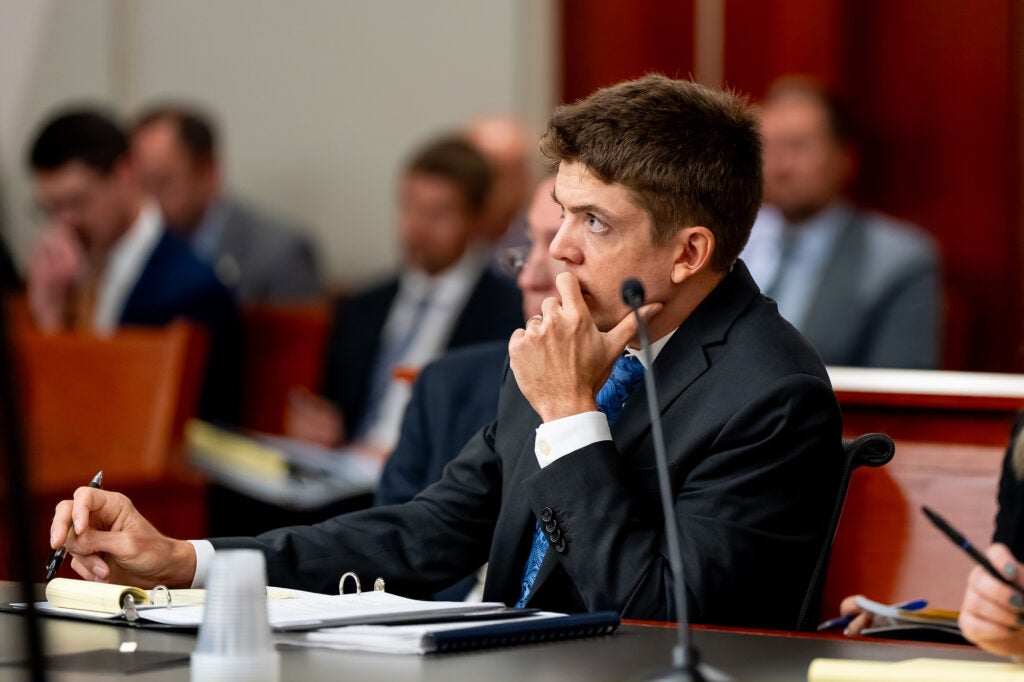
[{"x": 595, "y": 224}]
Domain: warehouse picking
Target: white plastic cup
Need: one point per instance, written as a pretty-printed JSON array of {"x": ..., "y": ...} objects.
[{"x": 234, "y": 643}]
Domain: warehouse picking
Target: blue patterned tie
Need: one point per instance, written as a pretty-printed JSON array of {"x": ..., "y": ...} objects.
[{"x": 626, "y": 374}]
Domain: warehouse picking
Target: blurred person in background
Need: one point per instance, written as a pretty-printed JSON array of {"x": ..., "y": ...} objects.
[
  {"x": 457, "y": 395},
  {"x": 443, "y": 297},
  {"x": 508, "y": 147},
  {"x": 175, "y": 149},
  {"x": 105, "y": 260},
  {"x": 862, "y": 287}
]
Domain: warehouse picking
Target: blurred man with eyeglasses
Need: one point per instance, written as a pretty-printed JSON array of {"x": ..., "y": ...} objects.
[{"x": 456, "y": 396}]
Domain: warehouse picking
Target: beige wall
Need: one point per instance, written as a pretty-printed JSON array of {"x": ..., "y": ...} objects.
[{"x": 319, "y": 100}]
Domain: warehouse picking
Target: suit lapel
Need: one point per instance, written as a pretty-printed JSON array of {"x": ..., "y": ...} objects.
[
  {"x": 684, "y": 358},
  {"x": 679, "y": 364}
]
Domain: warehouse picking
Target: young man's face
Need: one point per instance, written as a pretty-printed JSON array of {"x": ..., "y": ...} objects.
[
  {"x": 435, "y": 224},
  {"x": 604, "y": 239}
]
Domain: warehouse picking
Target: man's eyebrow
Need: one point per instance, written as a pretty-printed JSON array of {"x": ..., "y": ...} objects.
[{"x": 597, "y": 211}]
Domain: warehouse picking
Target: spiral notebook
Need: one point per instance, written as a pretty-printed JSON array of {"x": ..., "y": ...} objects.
[
  {"x": 452, "y": 637},
  {"x": 287, "y": 609}
]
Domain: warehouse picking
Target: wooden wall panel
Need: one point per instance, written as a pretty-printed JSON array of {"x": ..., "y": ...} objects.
[
  {"x": 936, "y": 85},
  {"x": 606, "y": 41}
]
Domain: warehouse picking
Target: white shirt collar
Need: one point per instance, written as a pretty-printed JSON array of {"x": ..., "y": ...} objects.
[
  {"x": 448, "y": 287},
  {"x": 656, "y": 348},
  {"x": 125, "y": 263}
]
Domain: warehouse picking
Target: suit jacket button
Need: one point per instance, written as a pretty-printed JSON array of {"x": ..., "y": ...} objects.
[
  {"x": 560, "y": 545},
  {"x": 546, "y": 514},
  {"x": 549, "y": 527},
  {"x": 555, "y": 537}
]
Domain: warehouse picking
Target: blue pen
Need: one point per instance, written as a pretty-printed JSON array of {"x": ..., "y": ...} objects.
[{"x": 843, "y": 621}]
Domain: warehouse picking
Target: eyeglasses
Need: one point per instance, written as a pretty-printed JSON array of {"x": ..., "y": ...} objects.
[{"x": 513, "y": 259}]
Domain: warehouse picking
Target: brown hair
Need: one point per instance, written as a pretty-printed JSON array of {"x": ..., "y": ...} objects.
[
  {"x": 454, "y": 158},
  {"x": 690, "y": 155},
  {"x": 196, "y": 131}
]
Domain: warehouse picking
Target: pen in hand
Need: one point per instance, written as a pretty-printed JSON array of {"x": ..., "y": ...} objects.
[
  {"x": 963, "y": 543},
  {"x": 57, "y": 555}
]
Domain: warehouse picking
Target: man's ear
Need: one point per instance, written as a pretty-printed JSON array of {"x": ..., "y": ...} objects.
[{"x": 694, "y": 248}]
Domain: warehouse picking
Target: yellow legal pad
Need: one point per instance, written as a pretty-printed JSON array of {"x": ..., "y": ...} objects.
[{"x": 913, "y": 670}]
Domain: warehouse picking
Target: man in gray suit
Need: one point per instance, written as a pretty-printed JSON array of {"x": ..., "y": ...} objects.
[
  {"x": 862, "y": 287},
  {"x": 175, "y": 149}
]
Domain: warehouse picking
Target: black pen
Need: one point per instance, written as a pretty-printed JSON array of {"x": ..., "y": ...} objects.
[
  {"x": 963, "y": 543},
  {"x": 57, "y": 555}
]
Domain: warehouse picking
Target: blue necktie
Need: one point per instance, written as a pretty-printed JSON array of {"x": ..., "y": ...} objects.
[{"x": 626, "y": 374}]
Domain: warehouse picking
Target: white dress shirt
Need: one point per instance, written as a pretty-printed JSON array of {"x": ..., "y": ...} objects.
[
  {"x": 448, "y": 292},
  {"x": 125, "y": 263},
  {"x": 556, "y": 439}
]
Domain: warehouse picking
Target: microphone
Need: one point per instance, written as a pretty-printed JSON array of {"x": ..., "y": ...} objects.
[{"x": 685, "y": 659}]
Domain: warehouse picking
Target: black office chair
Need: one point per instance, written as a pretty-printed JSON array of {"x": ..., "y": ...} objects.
[{"x": 873, "y": 450}]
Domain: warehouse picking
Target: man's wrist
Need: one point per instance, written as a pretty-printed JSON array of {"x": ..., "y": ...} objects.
[
  {"x": 563, "y": 409},
  {"x": 181, "y": 569}
]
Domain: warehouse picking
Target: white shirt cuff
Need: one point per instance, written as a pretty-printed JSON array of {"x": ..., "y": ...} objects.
[
  {"x": 556, "y": 439},
  {"x": 204, "y": 557}
]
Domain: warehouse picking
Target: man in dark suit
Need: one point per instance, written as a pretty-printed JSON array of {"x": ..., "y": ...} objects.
[
  {"x": 261, "y": 259},
  {"x": 106, "y": 260},
  {"x": 658, "y": 180},
  {"x": 445, "y": 297}
]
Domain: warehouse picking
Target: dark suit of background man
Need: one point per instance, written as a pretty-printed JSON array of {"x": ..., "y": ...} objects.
[
  {"x": 862, "y": 287},
  {"x": 444, "y": 297},
  {"x": 752, "y": 426},
  {"x": 261, "y": 259},
  {"x": 106, "y": 261}
]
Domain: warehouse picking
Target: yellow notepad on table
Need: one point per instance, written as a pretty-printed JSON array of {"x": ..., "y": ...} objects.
[
  {"x": 83, "y": 595},
  {"x": 913, "y": 670}
]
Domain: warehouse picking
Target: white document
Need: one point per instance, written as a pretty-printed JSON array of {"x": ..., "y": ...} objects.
[{"x": 310, "y": 610}]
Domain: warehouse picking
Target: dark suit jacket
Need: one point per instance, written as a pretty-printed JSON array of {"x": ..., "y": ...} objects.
[
  {"x": 452, "y": 399},
  {"x": 175, "y": 283},
  {"x": 1010, "y": 518},
  {"x": 879, "y": 302},
  {"x": 265, "y": 261},
  {"x": 753, "y": 435},
  {"x": 493, "y": 311}
]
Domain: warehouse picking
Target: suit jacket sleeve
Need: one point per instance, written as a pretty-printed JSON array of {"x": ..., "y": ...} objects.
[
  {"x": 418, "y": 547},
  {"x": 748, "y": 510}
]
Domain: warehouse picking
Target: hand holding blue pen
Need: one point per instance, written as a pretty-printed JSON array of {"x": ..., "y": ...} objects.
[
  {"x": 844, "y": 621},
  {"x": 57, "y": 556}
]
